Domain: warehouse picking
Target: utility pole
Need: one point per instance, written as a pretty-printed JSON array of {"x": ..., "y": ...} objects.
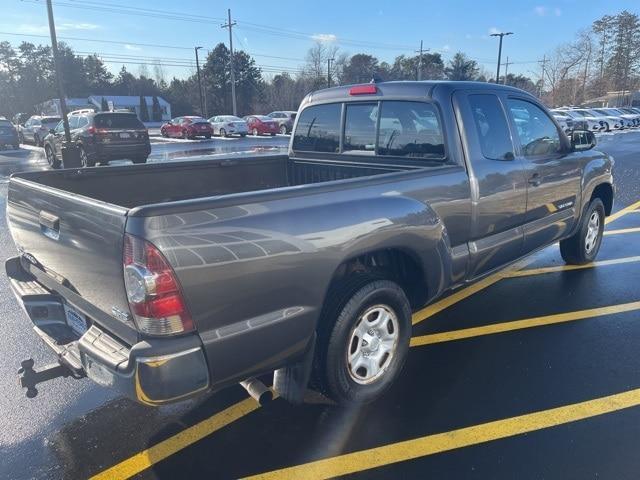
[
  {"x": 70, "y": 153},
  {"x": 60, "y": 82},
  {"x": 230, "y": 25},
  {"x": 329, "y": 60},
  {"x": 501, "y": 35},
  {"x": 199, "y": 82},
  {"x": 420, "y": 52},
  {"x": 506, "y": 70},
  {"x": 544, "y": 64}
]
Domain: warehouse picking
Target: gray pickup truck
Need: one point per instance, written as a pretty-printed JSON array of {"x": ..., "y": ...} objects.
[{"x": 168, "y": 280}]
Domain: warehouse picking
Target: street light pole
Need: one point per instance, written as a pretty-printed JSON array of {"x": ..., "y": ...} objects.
[
  {"x": 501, "y": 35},
  {"x": 199, "y": 82},
  {"x": 56, "y": 62}
]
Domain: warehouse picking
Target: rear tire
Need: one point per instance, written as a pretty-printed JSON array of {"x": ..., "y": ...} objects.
[
  {"x": 283, "y": 129},
  {"x": 139, "y": 160},
  {"x": 208, "y": 137},
  {"x": 583, "y": 247},
  {"x": 223, "y": 132},
  {"x": 85, "y": 161},
  {"x": 254, "y": 132},
  {"x": 363, "y": 339}
]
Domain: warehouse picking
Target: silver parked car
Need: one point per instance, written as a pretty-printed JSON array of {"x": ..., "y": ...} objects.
[
  {"x": 226, "y": 125},
  {"x": 285, "y": 119},
  {"x": 36, "y": 128}
]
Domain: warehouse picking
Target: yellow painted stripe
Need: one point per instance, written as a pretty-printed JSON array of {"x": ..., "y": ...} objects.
[
  {"x": 622, "y": 212},
  {"x": 146, "y": 458},
  {"x": 464, "y": 437},
  {"x": 622, "y": 230},
  {"x": 565, "y": 268},
  {"x": 521, "y": 324}
]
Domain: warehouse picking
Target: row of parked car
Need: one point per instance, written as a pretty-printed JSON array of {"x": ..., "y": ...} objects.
[
  {"x": 597, "y": 119},
  {"x": 191, "y": 126}
]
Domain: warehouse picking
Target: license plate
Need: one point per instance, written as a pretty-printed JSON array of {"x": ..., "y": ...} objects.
[
  {"x": 125, "y": 135},
  {"x": 75, "y": 320}
]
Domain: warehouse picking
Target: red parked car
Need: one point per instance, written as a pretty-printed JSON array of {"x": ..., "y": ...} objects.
[
  {"x": 261, "y": 125},
  {"x": 187, "y": 127}
]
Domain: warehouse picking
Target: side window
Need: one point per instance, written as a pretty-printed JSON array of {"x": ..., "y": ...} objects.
[
  {"x": 60, "y": 127},
  {"x": 83, "y": 122},
  {"x": 73, "y": 122},
  {"x": 410, "y": 129},
  {"x": 360, "y": 128},
  {"x": 491, "y": 126},
  {"x": 318, "y": 129},
  {"x": 538, "y": 134}
]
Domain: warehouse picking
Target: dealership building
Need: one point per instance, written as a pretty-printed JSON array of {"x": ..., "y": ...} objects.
[{"x": 115, "y": 102}]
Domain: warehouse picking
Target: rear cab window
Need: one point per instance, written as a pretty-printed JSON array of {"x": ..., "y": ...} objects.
[
  {"x": 491, "y": 126},
  {"x": 117, "y": 120},
  {"x": 388, "y": 128}
]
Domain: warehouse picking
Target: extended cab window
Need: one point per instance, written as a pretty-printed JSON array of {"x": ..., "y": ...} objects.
[
  {"x": 538, "y": 134},
  {"x": 318, "y": 129},
  {"x": 491, "y": 126},
  {"x": 410, "y": 129},
  {"x": 360, "y": 128}
]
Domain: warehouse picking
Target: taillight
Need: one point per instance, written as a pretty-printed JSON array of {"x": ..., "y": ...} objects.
[
  {"x": 100, "y": 131},
  {"x": 153, "y": 291}
]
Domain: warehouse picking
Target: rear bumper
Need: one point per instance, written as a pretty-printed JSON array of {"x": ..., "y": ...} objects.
[
  {"x": 153, "y": 371},
  {"x": 119, "y": 152}
]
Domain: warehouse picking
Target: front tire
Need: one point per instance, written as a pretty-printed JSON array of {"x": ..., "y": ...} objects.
[
  {"x": 223, "y": 132},
  {"x": 283, "y": 129},
  {"x": 363, "y": 340},
  {"x": 139, "y": 160},
  {"x": 583, "y": 247},
  {"x": 254, "y": 132},
  {"x": 85, "y": 161}
]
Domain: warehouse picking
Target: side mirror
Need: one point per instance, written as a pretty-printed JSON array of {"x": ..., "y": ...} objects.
[
  {"x": 582, "y": 140},
  {"x": 52, "y": 130}
]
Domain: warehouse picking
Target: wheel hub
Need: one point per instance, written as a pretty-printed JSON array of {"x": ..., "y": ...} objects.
[
  {"x": 593, "y": 230},
  {"x": 372, "y": 344}
]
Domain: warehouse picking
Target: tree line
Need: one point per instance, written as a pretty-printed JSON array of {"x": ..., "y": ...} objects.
[{"x": 602, "y": 58}]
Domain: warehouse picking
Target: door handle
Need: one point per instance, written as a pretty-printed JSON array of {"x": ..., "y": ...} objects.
[{"x": 534, "y": 180}]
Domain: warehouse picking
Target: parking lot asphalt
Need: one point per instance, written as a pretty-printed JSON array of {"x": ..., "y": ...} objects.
[{"x": 530, "y": 373}]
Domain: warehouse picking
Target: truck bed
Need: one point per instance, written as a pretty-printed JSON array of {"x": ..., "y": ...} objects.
[{"x": 134, "y": 186}]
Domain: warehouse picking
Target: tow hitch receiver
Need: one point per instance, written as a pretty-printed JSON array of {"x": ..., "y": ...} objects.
[{"x": 29, "y": 378}]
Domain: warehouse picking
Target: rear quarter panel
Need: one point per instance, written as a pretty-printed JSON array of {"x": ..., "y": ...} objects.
[{"x": 255, "y": 268}]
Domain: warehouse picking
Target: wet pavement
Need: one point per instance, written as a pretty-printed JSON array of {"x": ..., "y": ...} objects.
[{"x": 535, "y": 375}]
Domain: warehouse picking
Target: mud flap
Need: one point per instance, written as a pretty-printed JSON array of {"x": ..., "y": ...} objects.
[{"x": 291, "y": 382}]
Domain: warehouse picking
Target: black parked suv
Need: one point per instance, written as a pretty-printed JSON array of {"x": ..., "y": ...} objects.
[{"x": 101, "y": 137}]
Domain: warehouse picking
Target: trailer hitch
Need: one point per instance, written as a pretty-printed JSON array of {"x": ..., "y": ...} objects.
[{"x": 28, "y": 377}]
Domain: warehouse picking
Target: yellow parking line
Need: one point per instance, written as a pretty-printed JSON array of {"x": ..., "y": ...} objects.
[
  {"x": 446, "y": 441},
  {"x": 521, "y": 324},
  {"x": 622, "y": 230},
  {"x": 146, "y": 458},
  {"x": 622, "y": 212},
  {"x": 564, "y": 268}
]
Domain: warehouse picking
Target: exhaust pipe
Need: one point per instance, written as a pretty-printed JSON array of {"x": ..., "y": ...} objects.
[{"x": 258, "y": 391}]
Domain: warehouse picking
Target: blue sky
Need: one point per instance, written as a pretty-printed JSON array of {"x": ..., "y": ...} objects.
[{"x": 388, "y": 28}]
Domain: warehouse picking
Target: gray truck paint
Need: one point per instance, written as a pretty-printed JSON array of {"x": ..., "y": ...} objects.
[{"x": 255, "y": 246}]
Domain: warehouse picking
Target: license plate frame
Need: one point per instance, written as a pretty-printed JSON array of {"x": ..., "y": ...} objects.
[{"x": 76, "y": 320}]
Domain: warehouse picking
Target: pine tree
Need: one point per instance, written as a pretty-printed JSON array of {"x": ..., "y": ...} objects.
[
  {"x": 144, "y": 110},
  {"x": 104, "y": 105},
  {"x": 156, "y": 111}
]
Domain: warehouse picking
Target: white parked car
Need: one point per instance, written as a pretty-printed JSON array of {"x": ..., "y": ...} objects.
[
  {"x": 614, "y": 121},
  {"x": 227, "y": 125},
  {"x": 631, "y": 118},
  {"x": 587, "y": 120}
]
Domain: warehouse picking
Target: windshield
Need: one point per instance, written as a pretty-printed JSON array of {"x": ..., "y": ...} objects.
[
  {"x": 51, "y": 120},
  {"x": 117, "y": 120},
  {"x": 231, "y": 118}
]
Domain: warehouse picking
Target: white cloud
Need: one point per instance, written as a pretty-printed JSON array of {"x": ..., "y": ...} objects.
[
  {"x": 468, "y": 36},
  {"x": 324, "y": 37},
  {"x": 61, "y": 27},
  {"x": 540, "y": 10},
  {"x": 133, "y": 48},
  {"x": 77, "y": 26},
  {"x": 493, "y": 30},
  {"x": 445, "y": 48},
  {"x": 557, "y": 12}
]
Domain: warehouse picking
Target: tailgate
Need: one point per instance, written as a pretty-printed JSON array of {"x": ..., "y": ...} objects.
[{"x": 78, "y": 242}]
